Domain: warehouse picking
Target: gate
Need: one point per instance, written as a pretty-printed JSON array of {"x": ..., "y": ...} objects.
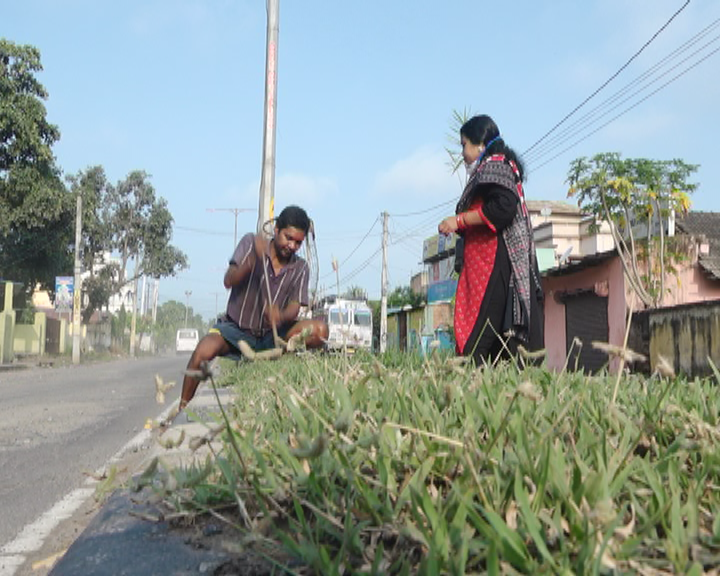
[{"x": 52, "y": 336}]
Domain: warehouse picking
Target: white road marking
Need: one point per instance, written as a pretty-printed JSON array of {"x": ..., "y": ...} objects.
[{"x": 31, "y": 538}]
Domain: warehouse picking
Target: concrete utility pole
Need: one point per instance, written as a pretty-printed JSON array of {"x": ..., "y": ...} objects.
[
  {"x": 235, "y": 211},
  {"x": 266, "y": 210},
  {"x": 77, "y": 300},
  {"x": 188, "y": 293},
  {"x": 383, "y": 288}
]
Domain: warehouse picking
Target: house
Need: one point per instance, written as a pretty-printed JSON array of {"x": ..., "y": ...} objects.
[{"x": 587, "y": 298}]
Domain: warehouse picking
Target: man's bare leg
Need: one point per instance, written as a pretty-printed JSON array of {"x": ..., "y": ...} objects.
[{"x": 211, "y": 346}]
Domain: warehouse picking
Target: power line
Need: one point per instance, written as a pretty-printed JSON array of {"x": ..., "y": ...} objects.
[
  {"x": 353, "y": 251},
  {"x": 423, "y": 211},
  {"x": 629, "y": 108},
  {"x": 571, "y": 131},
  {"x": 609, "y": 79}
]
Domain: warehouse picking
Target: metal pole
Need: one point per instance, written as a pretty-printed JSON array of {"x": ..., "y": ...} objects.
[
  {"x": 76, "y": 284},
  {"x": 383, "y": 287},
  {"x": 266, "y": 209}
]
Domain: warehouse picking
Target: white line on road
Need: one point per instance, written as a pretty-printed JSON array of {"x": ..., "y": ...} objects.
[{"x": 31, "y": 538}]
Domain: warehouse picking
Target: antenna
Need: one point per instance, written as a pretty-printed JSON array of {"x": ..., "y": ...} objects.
[{"x": 564, "y": 256}]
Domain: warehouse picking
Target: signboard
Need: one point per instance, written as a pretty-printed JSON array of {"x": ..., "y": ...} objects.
[
  {"x": 430, "y": 247},
  {"x": 64, "y": 291},
  {"x": 443, "y": 290}
]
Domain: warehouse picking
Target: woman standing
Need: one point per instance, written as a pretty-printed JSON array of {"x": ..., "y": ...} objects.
[{"x": 498, "y": 304}]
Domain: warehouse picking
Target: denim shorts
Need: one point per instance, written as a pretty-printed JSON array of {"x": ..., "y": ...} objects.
[{"x": 232, "y": 333}]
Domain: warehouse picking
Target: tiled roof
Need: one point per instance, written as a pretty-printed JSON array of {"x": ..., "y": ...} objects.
[
  {"x": 704, "y": 224},
  {"x": 697, "y": 223}
]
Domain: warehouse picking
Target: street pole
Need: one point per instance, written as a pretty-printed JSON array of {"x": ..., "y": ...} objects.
[
  {"x": 383, "y": 287},
  {"x": 188, "y": 293},
  {"x": 267, "y": 182},
  {"x": 76, "y": 284},
  {"x": 235, "y": 211}
]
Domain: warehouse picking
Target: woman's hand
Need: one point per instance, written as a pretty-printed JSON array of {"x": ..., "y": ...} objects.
[{"x": 448, "y": 226}]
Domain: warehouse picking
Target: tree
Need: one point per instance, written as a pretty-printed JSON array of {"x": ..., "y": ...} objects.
[
  {"x": 355, "y": 293},
  {"x": 629, "y": 192},
  {"x": 103, "y": 280},
  {"x": 36, "y": 212},
  {"x": 404, "y": 295},
  {"x": 141, "y": 228}
]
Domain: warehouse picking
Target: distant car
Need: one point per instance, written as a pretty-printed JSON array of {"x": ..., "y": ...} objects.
[{"x": 185, "y": 340}]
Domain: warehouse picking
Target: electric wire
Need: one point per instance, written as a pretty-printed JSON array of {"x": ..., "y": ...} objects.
[
  {"x": 571, "y": 133},
  {"x": 627, "y": 109},
  {"x": 615, "y": 75},
  {"x": 353, "y": 250}
]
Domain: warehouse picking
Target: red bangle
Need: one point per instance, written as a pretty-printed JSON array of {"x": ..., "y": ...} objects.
[{"x": 460, "y": 221}]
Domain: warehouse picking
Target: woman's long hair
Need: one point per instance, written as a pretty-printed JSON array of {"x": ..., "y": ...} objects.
[{"x": 481, "y": 130}]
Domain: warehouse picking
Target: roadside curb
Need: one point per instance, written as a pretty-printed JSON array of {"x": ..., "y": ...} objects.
[{"x": 119, "y": 541}]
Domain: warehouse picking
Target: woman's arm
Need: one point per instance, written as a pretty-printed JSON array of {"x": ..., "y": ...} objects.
[{"x": 497, "y": 212}]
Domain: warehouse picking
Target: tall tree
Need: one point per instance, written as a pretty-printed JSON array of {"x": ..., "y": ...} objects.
[
  {"x": 36, "y": 213},
  {"x": 142, "y": 229},
  {"x": 104, "y": 277},
  {"x": 628, "y": 192}
]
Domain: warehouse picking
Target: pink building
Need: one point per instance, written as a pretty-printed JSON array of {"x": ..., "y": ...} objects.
[{"x": 587, "y": 297}]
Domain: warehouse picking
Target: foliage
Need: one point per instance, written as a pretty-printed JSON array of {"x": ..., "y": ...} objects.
[
  {"x": 170, "y": 318},
  {"x": 402, "y": 296},
  {"x": 141, "y": 228},
  {"x": 36, "y": 213},
  {"x": 628, "y": 192},
  {"x": 404, "y": 465},
  {"x": 455, "y": 158},
  {"x": 355, "y": 293}
]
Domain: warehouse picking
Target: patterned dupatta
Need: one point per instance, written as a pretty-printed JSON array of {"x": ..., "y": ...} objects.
[{"x": 518, "y": 237}]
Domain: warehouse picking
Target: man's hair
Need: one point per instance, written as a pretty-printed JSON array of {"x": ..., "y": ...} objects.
[{"x": 293, "y": 216}]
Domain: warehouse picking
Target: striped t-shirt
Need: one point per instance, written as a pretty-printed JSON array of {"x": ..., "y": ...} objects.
[{"x": 248, "y": 301}]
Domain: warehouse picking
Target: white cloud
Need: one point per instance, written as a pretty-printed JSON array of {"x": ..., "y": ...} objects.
[{"x": 423, "y": 174}]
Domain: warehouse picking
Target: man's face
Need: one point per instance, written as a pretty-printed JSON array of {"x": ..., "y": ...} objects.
[{"x": 288, "y": 241}]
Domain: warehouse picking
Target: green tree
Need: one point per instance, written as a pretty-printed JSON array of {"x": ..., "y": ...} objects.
[
  {"x": 103, "y": 280},
  {"x": 36, "y": 212},
  {"x": 141, "y": 227},
  {"x": 355, "y": 293},
  {"x": 403, "y": 295},
  {"x": 628, "y": 192}
]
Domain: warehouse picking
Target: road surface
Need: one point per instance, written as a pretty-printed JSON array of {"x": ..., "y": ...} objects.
[{"x": 58, "y": 426}]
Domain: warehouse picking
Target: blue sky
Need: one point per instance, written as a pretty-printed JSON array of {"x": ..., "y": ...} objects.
[{"x": 366, "y": 92}]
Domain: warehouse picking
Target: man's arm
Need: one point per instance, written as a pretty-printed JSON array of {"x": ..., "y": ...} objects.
[
  {"x": 238, "y": 271},
  {"x": 284, "y": 316}
]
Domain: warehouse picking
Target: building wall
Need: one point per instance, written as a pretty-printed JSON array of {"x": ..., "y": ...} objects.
[{"x": 606, "y": 278}]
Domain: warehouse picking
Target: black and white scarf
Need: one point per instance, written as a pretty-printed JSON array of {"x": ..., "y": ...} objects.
[{"x": 518, "y": 237}]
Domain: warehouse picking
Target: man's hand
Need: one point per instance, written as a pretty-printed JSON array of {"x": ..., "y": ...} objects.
[
  {"x": 261, "y": 247},
  {"x": 274, "y": 315}
]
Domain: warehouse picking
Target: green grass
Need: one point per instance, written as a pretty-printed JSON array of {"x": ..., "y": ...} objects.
[{"x": 398, "y": 465}]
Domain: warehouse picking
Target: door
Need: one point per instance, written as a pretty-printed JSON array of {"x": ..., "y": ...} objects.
[{"x": 586, "y": 317}]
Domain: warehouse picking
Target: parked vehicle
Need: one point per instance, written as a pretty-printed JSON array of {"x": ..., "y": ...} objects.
[
  {"x": 349, "y": 323},
  {"x": 185, "y": 340}
]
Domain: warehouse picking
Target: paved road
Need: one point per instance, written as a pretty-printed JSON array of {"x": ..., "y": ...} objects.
[{"x": 58, "y": 424}]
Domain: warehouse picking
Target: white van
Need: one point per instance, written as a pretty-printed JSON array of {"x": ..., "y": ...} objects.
[{"x": 185, "y": 340}]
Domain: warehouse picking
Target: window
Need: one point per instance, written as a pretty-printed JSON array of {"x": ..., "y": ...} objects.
[{"x": 363, "y": 319}]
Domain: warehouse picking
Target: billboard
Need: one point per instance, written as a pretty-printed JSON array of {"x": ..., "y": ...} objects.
[{"x": 64, "y": 289}]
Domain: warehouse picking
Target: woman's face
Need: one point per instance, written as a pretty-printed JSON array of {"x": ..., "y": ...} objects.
[{"x": 470, "y": 151}]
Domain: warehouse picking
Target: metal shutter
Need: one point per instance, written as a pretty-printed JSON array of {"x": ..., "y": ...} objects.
[{"x": 586, "y": 317}]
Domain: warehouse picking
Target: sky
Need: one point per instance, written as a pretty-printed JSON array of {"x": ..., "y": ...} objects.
[{"x": 365, "y": 100}]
